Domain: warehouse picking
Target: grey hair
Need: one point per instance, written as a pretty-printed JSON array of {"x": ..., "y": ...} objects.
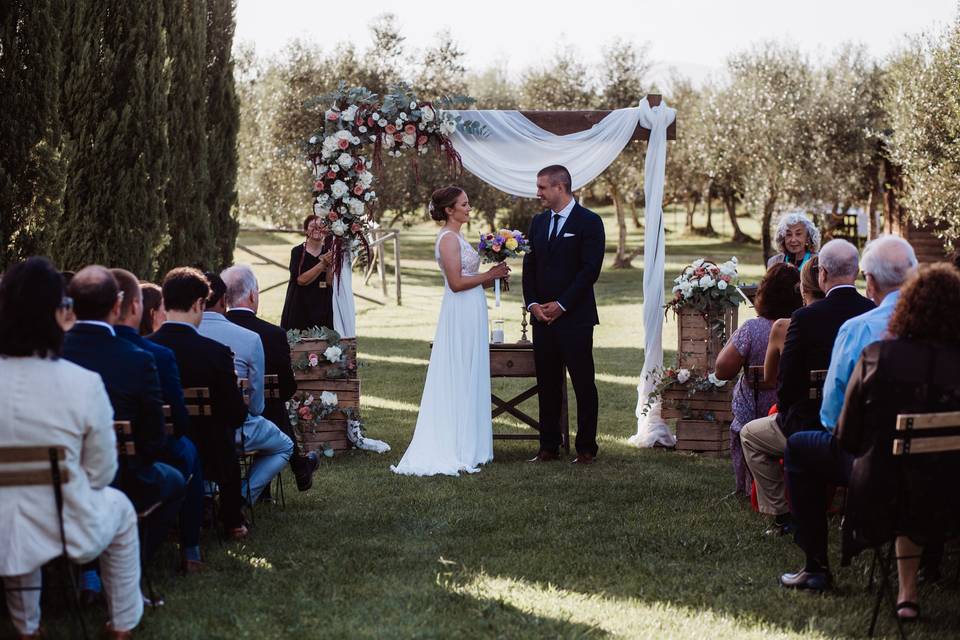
[
  {"x": 788, "y": 220},
  {"x": 890, "y": 260},
  {"x": 840, "y": 259},
  {"x": 240, "y": 283}
]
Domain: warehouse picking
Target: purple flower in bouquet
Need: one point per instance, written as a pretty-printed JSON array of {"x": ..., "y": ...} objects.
[{"x": 501, "y": 245}]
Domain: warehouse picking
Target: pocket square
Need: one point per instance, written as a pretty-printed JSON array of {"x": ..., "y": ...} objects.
[{"x": 569, "y": 235}]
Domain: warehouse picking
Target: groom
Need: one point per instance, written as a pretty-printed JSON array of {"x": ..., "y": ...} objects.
[{"x": 558, "y": 275}]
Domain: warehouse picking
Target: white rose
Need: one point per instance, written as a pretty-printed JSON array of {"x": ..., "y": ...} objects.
[
  {"x": 328, "y": 398},
  {"x": 683, "y": 375},
  {"x": 382, "y": 122},
  {"x": 413, "y": 105},
  {"x": 350, "y": 113},
  {"x": 687, "y": 289},
  {"x": 339, "y": 227},
  {"x": 322, "y": 200},
  {"x": 688, "y": 271},
  {"x": 318, "y": 209},
  {"x": 409, "y": 139},
  {"x": 313, "y": 139},
  {"x": 375, "y": 116},
  {"x": 356, "y": 207},
  {"x": 333, "y": 353},
  {"x": 426, "y": 114},
  {"x": 345, "y": 160},
  {"x": 388, "y": 142},
  {"x": 722, "y": 284},
  {"x": 403, "y": 116},
  {"x": 369, "y": 195},
  {"x": 339, "y": 189},
  {"x": 697, "y": 263},
  {"x": 354, "y": 140},
  {"x": 366, "y": 179},
  {"x": 373, "y": 138},
  {"x": 362, "y": 129},
  {"x": 706, "y": 282}
]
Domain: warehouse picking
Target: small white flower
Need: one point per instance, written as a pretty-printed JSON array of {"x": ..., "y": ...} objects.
[
  {"x": 308, "y": 401},
  {"x": 683, "y": 375},
  {"x": 413, "y": 105},
  {"x": 375, "y": 116},
  {"x": 333, "y": 353},
  {"x": 373, "y": 138},
  {"x": 403, "y": 116},
  {"x": 313, "y": 139},
  {"x": 318, "y": 209},
  {"x": 382, "y": 122},
  {"x": 329, "y": 399},
  {"x": 722, "y": 284},
  {"x": 688, "y": 271},
  {"x": 339, "y": 227},
  {"x": 698, "y": 263},
  {"x": 706, "y": 282},
  {"x": 362, "y": 129}
]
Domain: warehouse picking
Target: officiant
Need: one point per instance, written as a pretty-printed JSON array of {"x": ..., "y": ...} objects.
[{"x": 309, "y": 300}]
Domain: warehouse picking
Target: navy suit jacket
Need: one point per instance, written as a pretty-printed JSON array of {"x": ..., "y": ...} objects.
[
  {"x": 169, "y": 376},
  {"x": 566, "y": 269},
  {"x": 130, "y": 376}
]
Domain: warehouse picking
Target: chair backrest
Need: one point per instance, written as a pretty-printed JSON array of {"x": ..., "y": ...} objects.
[
  {"x": 244, "y": 384},
  {"x": 271, "y": 386},
  {"x": 167, "y": 424},
  {"x": 197, "y": 400},
  {"x": 817, "y": 378},
  {"x": 125, "y": 445},
  {"x": 755, "y": 378},
  {"x": 13, "y": 461},
  {"x": 919, "y": 433}
]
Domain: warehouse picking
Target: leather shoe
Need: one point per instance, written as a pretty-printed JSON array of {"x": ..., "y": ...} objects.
[
  {"x": 584, "y": 458},
  {"x": 544, "y": 456},
  {"x": 807, "y": 580},
  {"x": 306, "y": 467}
]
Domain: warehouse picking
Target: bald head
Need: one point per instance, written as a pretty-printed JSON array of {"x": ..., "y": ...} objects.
[
  {"x": 888, "y": 262},
  {"x": 95, "y": 293},
  {"x": 839, "y": 264}
]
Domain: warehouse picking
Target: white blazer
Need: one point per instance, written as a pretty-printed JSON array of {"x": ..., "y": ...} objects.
[{"x": 47, "y": 402}]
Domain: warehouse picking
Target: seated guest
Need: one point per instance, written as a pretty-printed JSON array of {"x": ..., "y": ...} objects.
[
  {"x": 797, "y": 240},
  {"x": 807, "y": 348},
  {"x": 179, "y": 452},
  {"x": 243, "y": 300},
  {"x": 59, "y": 404},
  {"x": 777, "y": 297},
  {"x": 206, "y": 363},
  {"x": 130, "y": 376},
  {"x": 917, "y": 371},
  {"x": 309, "y": 299},
  {"x": 810, "y": 292},
  {"x": 257, "y": 434},
  {"x": 813, "y": 459},
  {"x": 154, "y": 315}
]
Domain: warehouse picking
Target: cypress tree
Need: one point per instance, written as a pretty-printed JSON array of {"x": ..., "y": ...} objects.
[
  {"x": 223, "y": 123},
  {"x": 191, "y": 236},
  {"x": 31, "y": 174},
  {"x": 114, "y": 110}
]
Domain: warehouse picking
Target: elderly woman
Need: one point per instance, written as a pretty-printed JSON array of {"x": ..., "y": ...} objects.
[
  {"x": 913, "y": 498},
  {"x": 797, "y": 239},
  {"x": 46, "y": 401},
  {"x": 778, "y": 296}
]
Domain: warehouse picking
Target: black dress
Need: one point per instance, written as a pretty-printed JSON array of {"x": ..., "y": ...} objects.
[{"x": 306, "y": 306}]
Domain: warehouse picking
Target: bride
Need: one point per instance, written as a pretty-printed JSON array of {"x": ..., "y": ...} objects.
[{"x": 454, "y": 431}]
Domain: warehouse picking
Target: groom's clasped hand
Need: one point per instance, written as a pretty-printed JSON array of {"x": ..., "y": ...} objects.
[{"x": 546, "y": 313}]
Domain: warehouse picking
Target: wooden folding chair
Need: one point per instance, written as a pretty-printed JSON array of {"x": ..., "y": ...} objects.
[
  {"x": 244, "y": 384},
  {"x": 21, "y": 467},
  {"x": 271, "y": 386},
  {"x": 916, "y": 434}
]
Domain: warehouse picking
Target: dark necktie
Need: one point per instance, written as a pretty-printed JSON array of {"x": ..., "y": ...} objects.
[{"x": 554, "y": 228}]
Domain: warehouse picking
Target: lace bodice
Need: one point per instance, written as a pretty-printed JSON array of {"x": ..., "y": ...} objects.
[{"x": 469, "y": 258}]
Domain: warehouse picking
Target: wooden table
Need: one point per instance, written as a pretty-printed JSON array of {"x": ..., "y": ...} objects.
[{"x": 515, "y": 360}]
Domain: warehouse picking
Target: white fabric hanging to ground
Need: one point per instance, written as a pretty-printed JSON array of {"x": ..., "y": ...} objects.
[
  {"x": 514, "y": 149},
  {"x": 344, "y": 311}
]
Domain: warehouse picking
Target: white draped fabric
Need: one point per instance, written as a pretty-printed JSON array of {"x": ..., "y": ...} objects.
[
  {"x": 344, "y": 311},
  {"x": 514, "y": 149},
  {"x": 651, "y": 429}
]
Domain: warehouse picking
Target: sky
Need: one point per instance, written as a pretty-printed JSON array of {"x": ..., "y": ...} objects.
[{"x": 692, "y": 36}]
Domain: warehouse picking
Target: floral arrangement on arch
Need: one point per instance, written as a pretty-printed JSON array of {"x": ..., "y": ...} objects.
[
  {"x": 689, "y": 380},
  {"x": 357, "y": 127}
]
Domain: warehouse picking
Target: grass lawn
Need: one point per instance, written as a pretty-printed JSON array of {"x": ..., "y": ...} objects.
[{"x": 644, "y": 544}]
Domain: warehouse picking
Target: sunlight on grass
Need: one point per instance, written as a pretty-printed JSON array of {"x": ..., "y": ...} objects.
[
  {"x": 384, "y": 403},
  {"x": 420, "y": 362},
  {"x": 620, "y": 617}
]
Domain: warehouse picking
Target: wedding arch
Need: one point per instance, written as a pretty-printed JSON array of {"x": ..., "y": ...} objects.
[{"x": 504, "y": 149}]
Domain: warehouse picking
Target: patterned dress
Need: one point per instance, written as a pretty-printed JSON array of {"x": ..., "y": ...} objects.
[{"x": 750, "y": 341}]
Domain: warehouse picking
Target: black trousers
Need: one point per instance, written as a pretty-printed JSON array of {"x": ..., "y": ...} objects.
[{"x": 556, "y": 348}]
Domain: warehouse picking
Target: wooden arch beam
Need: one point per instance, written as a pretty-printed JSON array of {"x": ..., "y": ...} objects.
[{"x": 562, "y": 123}]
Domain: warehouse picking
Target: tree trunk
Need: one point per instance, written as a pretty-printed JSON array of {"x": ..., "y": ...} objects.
[
  {"x": 766, "y": 240},
  {"x": 873, "y": 216},
  {"x": 730, "y": 204},
  {"x": 691, "y": 209},
  {"x": 622, "y": 261},
  {"x": 892, "y": 214},
  {"x": 633, "y": 212},
  {"x": 708, "y": 228}
]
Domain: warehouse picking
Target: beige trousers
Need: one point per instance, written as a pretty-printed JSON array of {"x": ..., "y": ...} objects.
[
  {"x": 119, "y": 569},
  {"x": 763, "y": 446}
]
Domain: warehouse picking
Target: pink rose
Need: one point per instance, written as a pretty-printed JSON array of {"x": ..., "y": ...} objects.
[
  {"x": 331, "y": 175},
  {"x": 390, "y": 129},
  {"x": 410, "y": 129},
  {"x": 398, "y": 137},
  {"x": 343, "y": 144},
  {"x": 318, "y": 185},
  {"x": 332, "y": 216},
  {"x": 313, "y": 360},
  {"x": 333, "y": 116},
  {"x": 355, "y": 227},
  {"x": 360, "y": 167},
  {"x": 303, "y": 412},
  {"x": 370, "y": 121},
  {"x": 422, "y": 140},
  {"x": 358, "y": 190}
]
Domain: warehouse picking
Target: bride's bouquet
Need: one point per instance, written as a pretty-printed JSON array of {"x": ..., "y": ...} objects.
[{"x": 500, "y": 246}]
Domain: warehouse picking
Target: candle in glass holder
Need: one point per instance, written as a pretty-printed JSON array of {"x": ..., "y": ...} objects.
[{"x": 496, "y": 333}]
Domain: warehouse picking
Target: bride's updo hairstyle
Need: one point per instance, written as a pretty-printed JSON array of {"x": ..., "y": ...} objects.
[{"x": 441, "y": 199}]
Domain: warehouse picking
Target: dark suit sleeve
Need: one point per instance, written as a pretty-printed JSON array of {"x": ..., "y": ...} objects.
[
  {"x": 793, "y": 379},
  {"x": 593, "y": 244},
  {"x": 288, "y": 385},
  {"x": 228, "y": 405},
  {"x": 530, "y": 269},
  {"x": 149, "y": 434},
  {"x": 173, "y": 393}
]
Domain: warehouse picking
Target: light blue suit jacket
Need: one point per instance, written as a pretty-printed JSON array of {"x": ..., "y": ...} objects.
[{"x": 248, "y": 356}]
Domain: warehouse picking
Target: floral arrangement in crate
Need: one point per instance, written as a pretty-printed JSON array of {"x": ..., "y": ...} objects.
[
  {"x": 689, "y": 380},
  {"x": 709, "y": 288},
  {"x": 307, "y": 412},
  {"x": 357, "y": 126},
  {"x": 333, "y": 354}
]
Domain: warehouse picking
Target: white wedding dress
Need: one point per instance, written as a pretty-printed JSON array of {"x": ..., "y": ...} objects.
[{"x": 454, "y": 430}]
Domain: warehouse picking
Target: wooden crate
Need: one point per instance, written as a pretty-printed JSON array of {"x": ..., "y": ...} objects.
[
  {"x": 698, "y": 346},
  {"x": 331, "y": 431},
  {"x": 324, "y": 370},
  {"x": 348, "y": 391},
  {"x": 701, "y": 436},
  {"x": 701, "y": 405}
]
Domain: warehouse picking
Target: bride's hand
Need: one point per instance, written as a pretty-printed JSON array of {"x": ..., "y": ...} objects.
[{"x": 499, "y": 270}]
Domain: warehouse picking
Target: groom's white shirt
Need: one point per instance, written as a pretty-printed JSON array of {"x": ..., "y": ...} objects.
[{"x": 564, "y": 214}]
